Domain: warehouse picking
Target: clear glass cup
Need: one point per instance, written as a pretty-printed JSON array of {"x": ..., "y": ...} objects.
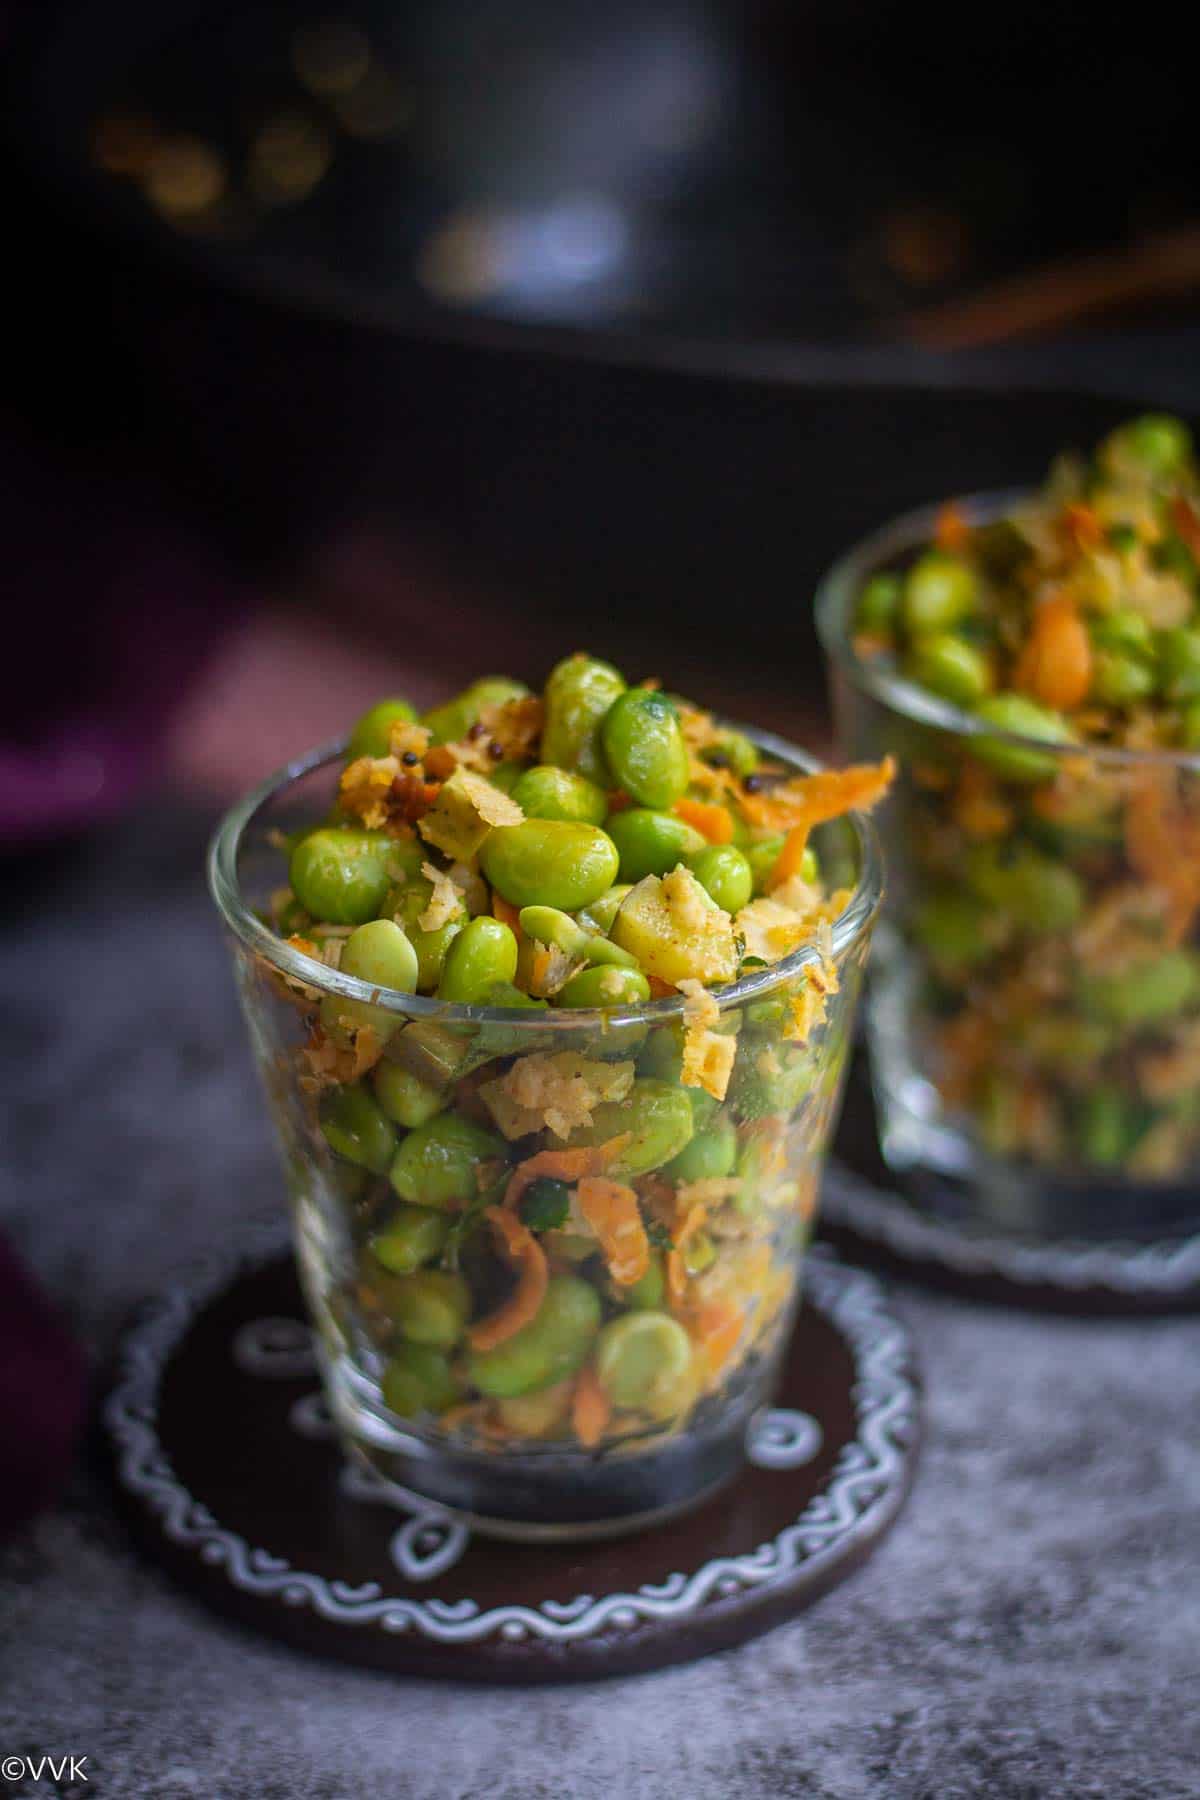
[
  {"x": 1033, "y": 1007},
  {"x": 686, "y": 1364}
]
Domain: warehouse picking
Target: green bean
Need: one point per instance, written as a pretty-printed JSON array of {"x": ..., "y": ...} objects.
[
  {"x": 431, "y": 1307},
  {"x": 483, "y": 953},
  {"x": 947, "y": 665},
  {"x": 545, "y": 792},
  {"x": 372, "y": 733},
  {"x": 554, "y": 1344},
  {"x": 405, "y": 903},
  {"x": 448, "y": 723},
  {"x": 647, "y": 1294},
  {"x": 605, "y": 985},
  {"x": 545, "y": 1204},
  {"x": 939, "y": 592},
  {"x": 1156, "y": 444},
  {"x": 643, "y": 744},
  {"x": 438, "y": 1163},
  {"x": 341, "y": 875},
  {"x": 1120, "y": 680},
  {"x": 1179, "y": 664},
  {"x": 954, "y": 929},
  {"x": 548, "y": 925},
  {"x": 549, "y": 862},
  {"x": 419, "y": 1379},
  {"x": 1146, "y": 993},
  {"x": 1015, "y": 714},
  {"x": 641, "y": 1358},
  {"x": 578, "y": 693},
  {"x": 1034, "y": 891},
  {"x": 724, "y": 873},
  {"x": 404, "y": 1097},
  {"x": 651, "y": 843},
  {"x": 879, "y": 603},
  {"x": 357, "y": 1129},
  {"x": 732, "y": 750},
  {"x": 1127, "y": 633},
  {"x": 774, "y": 1080},
  {"x": 413, "y": 1235},
  {"x": 658, "y": 1119},
  {"x": 599, "y": 914},
  {"x": 711, "y": 1153}
]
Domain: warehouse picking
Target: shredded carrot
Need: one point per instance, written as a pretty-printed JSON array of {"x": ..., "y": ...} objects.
[
  {"x": 676, "y": 1266},
  {"x": 562, "y": 1165},
  {"x": 540, "y": 968},
  {"x": 618, "y": 800},
  {"x": 788, "y": 862},
  {"x": 951, "y": 531},
  {"x": 1186, "y": 521},
  {"x": 712, "y": 822},
  {"x": 813, "y": 799},
  {"x": 523, "y": 1304},
  {"x": 978, "y": 808},
  {"x": 1162, "y": 841},
  {"x": 506, "y": 912},
  {"x": 1055, "y": 665},
  {"x": 660, "y": 989},
  {"x": 1081, "y": 526},
  {"x": 611, "y": 1209},
  {"x": 591, "y": 1408},
  {"x": 716, "y": 1329}
]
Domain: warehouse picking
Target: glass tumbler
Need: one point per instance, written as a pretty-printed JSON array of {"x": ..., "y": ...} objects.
[
  {"x": 1033, "y": 1016},
  {"x": 610, "y": 1407}
]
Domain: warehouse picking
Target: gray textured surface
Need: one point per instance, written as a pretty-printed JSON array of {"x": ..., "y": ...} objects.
[{"x": 1032, "y": 1626}]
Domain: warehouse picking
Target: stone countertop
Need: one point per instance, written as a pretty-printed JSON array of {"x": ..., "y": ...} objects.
[{"x": 1030, "y": 1628}]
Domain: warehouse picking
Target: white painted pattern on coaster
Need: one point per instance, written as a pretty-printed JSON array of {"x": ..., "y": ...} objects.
[
  {"x": 782, "y": 1438},
  {"x": 865, "y": 1489}
]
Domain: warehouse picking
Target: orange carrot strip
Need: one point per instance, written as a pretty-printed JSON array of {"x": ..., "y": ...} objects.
[
  {"x": 788, "y": 862},
  {"x": 712, "y": 822},
  {"x": 1162, "y": 841},
  {"x": 523, "y": 1304},
  {"x": 1186, "y": 521},
  {"x": 618, "y": 800},
  {"x": 716, "y": 1328},
  {"x": 814, "y": 799},
  {"x": 611, "y": 1209},
  {"x": 562, "y": 1165},
  {"x": 660, "y": 989},
  {"x": 591, "y": 1408},
  {"x": 1082, "y": 525},
  {"x": 506, "y": 912},
  {"x": 1055, "y": 665}
]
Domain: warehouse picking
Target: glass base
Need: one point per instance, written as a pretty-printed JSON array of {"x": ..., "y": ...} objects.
[{"x": 546, "y": 1494}]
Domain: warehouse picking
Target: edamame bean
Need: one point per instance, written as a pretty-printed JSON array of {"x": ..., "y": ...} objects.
[
  {"x": 1156, "y": 444},
  {"x": 549, "y": 862},
  {"x": 711, "y": 1154},
  {"x": 419, "y": 1379},
  {"x": 537, "y": 1415},
  {"x": 448, "y": 723},
  {"x": 413, "y": 1235},
  {"x": 879, "y": 603},
  {"x": 1108, "y": 1127},
  {"x": 482, "y": 954},
  {"x": 947, "y": 665},
  {"x": 405, "y": 904},
  {"x": 605, "y": 984},
  {"x": 641, "y": 1358},
  {"x": 578, "y": 693},
  {"x": 954, "y": 929},
  {"x": 550, "y": 1347},
  {"x": 341, "y": 875},
  {"x": 732, "y": 750},
  {"x": 437, "y": 1164},
  {"x": 357, "y": 1128},
  {"x": 545, "y": 1204},
  {"x": 651, "y": 843},
  {"x": 1015, "y": 714},
  {"x": 1146, "y": 993},
  {"x": 1120, "y": 680},
  {"x": 939, "y": 591},
  {"x": 647, "y": 1294},
  {"x": 774, "y": 1080},
  {"x": 379, "y": 954},
  {"x": 1036, "y": 892},
  {"x": 431, "y": 1307},
  {"x": 372, "y": 733},
  {"x": 548, "y": 925},
  {"x": 1127, "y": 633},
  {"x": 643, "y": 744},
  {"x": 545, "y": 792},
  {"x": 404, "y": 1097},
  {"x": 724, "y": 873},
  {"x": 601, "y": 913},
  {"x": 658, "y": 1119},
  {"x": 1189, "y": 726},
  {"x": 1179, "y": 664}
]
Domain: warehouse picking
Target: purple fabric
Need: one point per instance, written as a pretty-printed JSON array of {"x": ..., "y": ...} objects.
[
  {"x": 111, "y": 610},
  {"x": 43, "y": 1386}
]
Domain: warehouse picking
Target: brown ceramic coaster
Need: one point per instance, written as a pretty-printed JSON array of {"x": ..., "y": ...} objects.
[
  {"x": 225, "y": 1456},
  {"x": 867, "y": 1212}
]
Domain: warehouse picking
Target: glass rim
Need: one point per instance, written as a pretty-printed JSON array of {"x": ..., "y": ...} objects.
[
  {"x": 848, "y": 928},
  {"x": 838, "y": 588}
]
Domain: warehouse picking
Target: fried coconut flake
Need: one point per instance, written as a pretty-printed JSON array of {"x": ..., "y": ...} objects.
[
  {"x": 366, "y": 789},
  {"x": 445, "y": 902},
  {"x": 555, "y": 1091},
  {"x": 808, "y": 1005},
  {"x": 707, "y": 1055}
]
